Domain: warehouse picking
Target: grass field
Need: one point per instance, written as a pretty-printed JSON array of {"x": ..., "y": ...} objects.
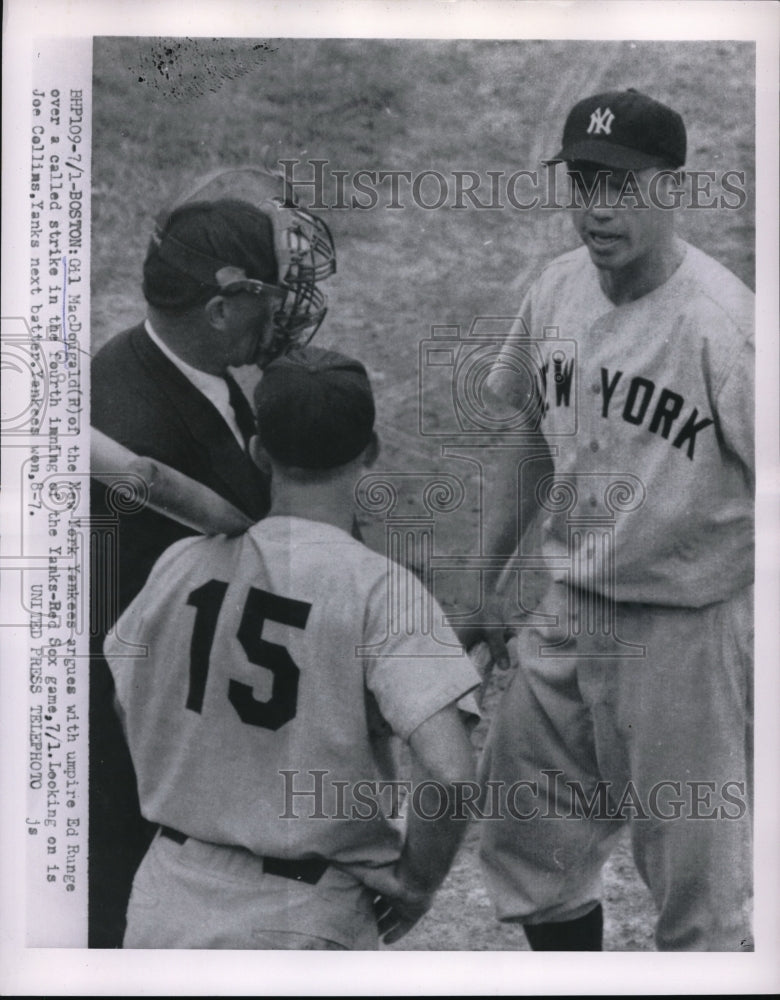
[{"x": 166, "y": 111}]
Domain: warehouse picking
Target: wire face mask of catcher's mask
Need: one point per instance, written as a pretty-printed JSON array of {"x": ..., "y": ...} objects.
[{"x": 303, "y": 245}]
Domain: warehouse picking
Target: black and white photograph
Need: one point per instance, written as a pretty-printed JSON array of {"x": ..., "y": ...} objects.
[{"x": 389, "y": 533}]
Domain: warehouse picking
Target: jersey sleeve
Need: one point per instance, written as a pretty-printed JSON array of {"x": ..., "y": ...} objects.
[
  {"x": 736, "y": 409},
  {"x": 512, "y": 387},
  {"x": 416, "y": 670}
]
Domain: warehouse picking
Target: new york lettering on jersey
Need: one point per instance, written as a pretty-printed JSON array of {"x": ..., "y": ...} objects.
[{"x": 637, "y": 392}]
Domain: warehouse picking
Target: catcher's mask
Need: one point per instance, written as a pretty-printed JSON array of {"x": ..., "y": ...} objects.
[{"x": 303, "y": 246}]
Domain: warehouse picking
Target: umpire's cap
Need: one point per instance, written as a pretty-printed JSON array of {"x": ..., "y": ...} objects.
[
  {"x": 196, "y": 241},
  {"x": 623, "y": 129},
  {"x": 315, "y": 409}
]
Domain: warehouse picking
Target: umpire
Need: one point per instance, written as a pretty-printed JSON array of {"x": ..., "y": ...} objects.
[{"x": 227, "y": 284}]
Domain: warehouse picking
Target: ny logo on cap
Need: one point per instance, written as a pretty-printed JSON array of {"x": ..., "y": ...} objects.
[{"x": 601, "y": 121}]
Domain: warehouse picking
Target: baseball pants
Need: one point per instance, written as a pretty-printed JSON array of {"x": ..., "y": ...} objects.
[
  {"x": 192, "y": 894},
  {"x": 659, "y": 737}
]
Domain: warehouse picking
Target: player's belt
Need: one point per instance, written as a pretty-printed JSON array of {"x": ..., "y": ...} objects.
[
  {"x": 309, "y": 871},
  {"x": 166, "y": 831}
]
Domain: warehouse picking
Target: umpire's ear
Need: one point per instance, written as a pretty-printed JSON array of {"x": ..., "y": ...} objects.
[{"x": 216, "y": 312}]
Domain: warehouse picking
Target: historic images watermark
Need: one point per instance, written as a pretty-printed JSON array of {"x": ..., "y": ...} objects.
[
  {"x": 315, "y": 794},
  {"x": 462, "y": 372},
  {"x": 316, "y": 185}
]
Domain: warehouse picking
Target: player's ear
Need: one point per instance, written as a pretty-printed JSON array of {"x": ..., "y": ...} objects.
[
  {"x": 259, "y": 455},
  {"x": 371, "y": 451}
]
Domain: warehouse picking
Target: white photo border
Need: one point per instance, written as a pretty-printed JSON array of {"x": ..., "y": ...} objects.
[{"x": 27, "y": 971}]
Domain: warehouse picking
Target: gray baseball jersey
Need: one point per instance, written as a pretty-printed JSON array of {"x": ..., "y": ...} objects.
[
  {"x": 648, "y": 410},
  {"x": 272, "y": 669},
  {"x": 660, "y": 390}
]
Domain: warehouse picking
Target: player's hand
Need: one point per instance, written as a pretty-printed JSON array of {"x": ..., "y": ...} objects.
[
  {"x": 399, "y": 902},
  {"x": 488, "y": 646},
  {"x": 485, "y": 630},
  {"x": 501, "y": 653},
  {"x": 396, "y": 915}
]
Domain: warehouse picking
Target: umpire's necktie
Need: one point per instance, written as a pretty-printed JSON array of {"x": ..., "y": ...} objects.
[{"x": 243, "y": 411}]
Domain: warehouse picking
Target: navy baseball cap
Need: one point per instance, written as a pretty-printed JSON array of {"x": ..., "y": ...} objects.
[
  {"x": 315, "y": 409},
  {"x": 197, "y": 240},
  {"x": 623, "y": 129}
]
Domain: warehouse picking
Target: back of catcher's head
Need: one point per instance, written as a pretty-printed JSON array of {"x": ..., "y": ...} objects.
[{"x": 315, "y": 409}]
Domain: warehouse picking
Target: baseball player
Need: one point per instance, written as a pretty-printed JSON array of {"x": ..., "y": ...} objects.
[
  {"x": 279, "y": 665},
  {"x": 632, "y": 701},
  {"x": 229, "y": 282}
]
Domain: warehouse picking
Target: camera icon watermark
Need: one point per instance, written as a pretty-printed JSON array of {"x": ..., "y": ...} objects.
[{"x": 495, "y": 378}]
